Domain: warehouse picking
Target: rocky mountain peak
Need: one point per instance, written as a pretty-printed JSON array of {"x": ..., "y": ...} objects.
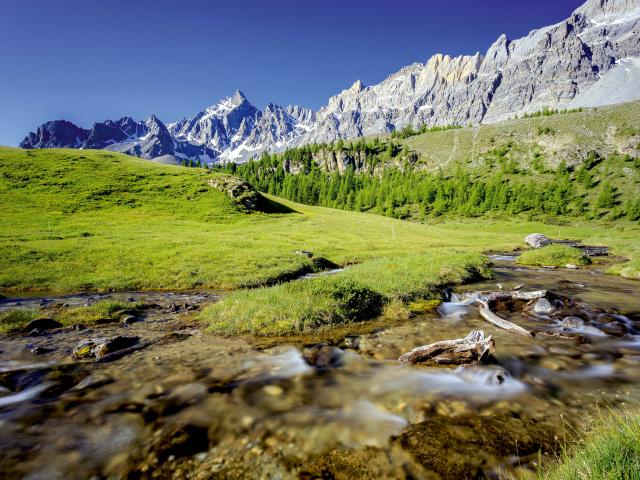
[
  {"x": 609, "y": 11},
  {"x": 590, "y": 59}
]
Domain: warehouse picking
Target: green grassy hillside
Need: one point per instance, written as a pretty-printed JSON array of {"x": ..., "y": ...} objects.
[{"x": 98, "y": 220}]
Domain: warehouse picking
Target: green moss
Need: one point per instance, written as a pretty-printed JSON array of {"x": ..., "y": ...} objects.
[
  {"x": 553, "y": 255},
  {"x": 421, "y": 307}
]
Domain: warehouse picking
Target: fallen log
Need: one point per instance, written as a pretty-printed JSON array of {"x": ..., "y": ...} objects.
[
  {"x": 494, "y": 319},
  {"x": 471, "y": 349}
]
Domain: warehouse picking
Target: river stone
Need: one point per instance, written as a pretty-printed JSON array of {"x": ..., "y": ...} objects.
[
  {"x": 615, "y": 329},
  {"x": 128, "y": 319},
  {"x": 544, "y": 306},
  {"x": 100, "y": 347},
  {"x": 486, "y": 375},
  {"x": 42, "y": 324},
  {"x": 572, "y": 322},
  {"x": 537, "y": 240}
]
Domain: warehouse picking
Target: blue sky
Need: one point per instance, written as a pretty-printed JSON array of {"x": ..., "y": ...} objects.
[{"x": 89, "y": 60}]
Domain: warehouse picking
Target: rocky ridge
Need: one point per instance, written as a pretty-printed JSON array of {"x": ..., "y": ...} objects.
[{"x": 590, "y": 59}]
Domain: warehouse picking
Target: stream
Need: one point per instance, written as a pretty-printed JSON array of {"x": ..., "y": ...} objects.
[{"x": 191, "y": 405}]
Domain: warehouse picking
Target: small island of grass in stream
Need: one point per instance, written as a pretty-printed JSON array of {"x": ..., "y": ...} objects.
[{"x": 554, "y": 256}]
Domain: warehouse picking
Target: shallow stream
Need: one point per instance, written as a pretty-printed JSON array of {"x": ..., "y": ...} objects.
[{"x": 190, "y": 405}]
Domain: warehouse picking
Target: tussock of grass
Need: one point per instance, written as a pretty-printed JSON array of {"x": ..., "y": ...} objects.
[
  {"x": 300, "y": 306},
  {"x": 17, "y": 319},
  {"x": 359, "y": 293},
  {"x": 100, "y": 312},
  {"x": 609, "y": 451},
  {"x": 553, "y": 255}
]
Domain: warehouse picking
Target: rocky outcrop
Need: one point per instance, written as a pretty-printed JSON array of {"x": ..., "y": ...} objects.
[
  {"x": 240, "y": 191},
  {"x": 537, "y": 240}
]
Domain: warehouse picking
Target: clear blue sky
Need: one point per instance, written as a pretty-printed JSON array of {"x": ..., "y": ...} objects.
[{"x": 89, "y": 60}]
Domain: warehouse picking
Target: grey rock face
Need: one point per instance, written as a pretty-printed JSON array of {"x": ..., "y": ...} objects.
[
  {"x": 590, "y": 59},
  {"x": 56, "y": 134}
]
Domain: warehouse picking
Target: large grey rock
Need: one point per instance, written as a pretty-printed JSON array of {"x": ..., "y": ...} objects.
[{"x": 537, "y": 240}]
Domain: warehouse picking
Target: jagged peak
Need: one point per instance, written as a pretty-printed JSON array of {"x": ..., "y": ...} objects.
[
  {"x": 238, "y": 96},
  {"x": 357, "y": 86},
  {"x": 609, "y": 10}
]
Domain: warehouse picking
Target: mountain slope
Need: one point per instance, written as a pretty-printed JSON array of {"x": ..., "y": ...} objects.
[{"x": 590, "y": 59}]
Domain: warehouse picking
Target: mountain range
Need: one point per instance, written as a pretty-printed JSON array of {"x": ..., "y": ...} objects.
[{"x": 590, "y": 59}]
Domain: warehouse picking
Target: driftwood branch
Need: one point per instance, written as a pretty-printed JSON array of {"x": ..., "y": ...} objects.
[
  {"x": 473, "y": 348},
  {"x": 492, "y": 318}
]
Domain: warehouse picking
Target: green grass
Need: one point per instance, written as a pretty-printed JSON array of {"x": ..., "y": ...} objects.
[
  {"x": 609, "y": 451},
  {"x": 75, "y": 220},
  {"x": 355, "y": 294},
  {"x": 99, "y": 312},
  {"x": 553, "y": 255}
]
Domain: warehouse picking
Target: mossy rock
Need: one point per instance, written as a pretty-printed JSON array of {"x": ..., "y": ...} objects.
[
  {"x": 423, "y": 306},
  {"x": 470, "y": 445}
]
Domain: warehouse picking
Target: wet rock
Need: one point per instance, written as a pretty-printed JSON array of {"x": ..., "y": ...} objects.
[
  {"x": 182, "y": 440},
  {"x": 352, "y": 342},
  {"x": 487, "y": 375},
  {"x": 304, "y": 253},
  {"x": 42, "y": 324},
  {"x": 615, "y": 329},
  {"x": 92, "y": 381},
  {"x": 543, "y": 306},
  {"x": 36, "y": 349},
  {"x": 537, "y": 240},
  {"x": 36, "y": 332},
  {"x": 323, "y": 356},
  {"x": 571, "y": 266},
  {"x": 173, "y": 308},
  {"x": 100, "y": 347},
  {"x": 128, "y": 319},
  {"x": 565, "y": 351},
  {"x": 572, "y": 322}
]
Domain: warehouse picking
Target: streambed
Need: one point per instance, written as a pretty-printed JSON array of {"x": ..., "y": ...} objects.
[{"x": 195, "y": 406}]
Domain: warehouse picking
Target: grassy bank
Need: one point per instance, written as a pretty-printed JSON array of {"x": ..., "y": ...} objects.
[
  {"x": 359, "y": 293},
  {"x": 609, "y": 451},
  {"x": 95, "y": 220},
  {"x": 14, "y": 321}
]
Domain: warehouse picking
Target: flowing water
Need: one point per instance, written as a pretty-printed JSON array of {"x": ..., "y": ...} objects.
[{"x": 190, "y": 405}]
